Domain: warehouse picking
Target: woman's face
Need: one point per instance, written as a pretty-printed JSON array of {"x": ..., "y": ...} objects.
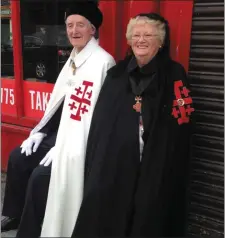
[{"x": 145, "y": 41}]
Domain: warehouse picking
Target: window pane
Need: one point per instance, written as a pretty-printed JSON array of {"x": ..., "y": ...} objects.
[
  {"x": 45, "y": 45},
  {"x": 44, "y": 42},
  {"x": 7, "y": 68}
]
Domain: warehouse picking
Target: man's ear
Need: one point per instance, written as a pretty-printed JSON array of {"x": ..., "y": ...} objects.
[{"x": 93, "y": 30}]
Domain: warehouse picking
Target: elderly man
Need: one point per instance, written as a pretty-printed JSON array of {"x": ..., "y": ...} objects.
[{"x": 68, "y": 116}]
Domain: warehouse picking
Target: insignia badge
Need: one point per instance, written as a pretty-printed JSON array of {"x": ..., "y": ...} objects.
[
  {"x": 182, "y": 105},
  {"x": 180, "y": 102},
  {"x": 137, "y": 105},
  {"x": 81, "y": 100},
  {"x": 70, "y": 82},
  {"x": 73, "y": 66}
]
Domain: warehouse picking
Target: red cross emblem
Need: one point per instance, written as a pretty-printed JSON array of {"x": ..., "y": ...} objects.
[
  {"x": 81, "y": 100},
  {"x": 182, "y": 105}
]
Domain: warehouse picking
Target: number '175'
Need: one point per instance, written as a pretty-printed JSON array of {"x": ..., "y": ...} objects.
[{"x": 7, "y": 96}]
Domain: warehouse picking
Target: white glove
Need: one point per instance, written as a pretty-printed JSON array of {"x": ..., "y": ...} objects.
[
  {"x": 48, "y": 157},
  {"x": 32, "y": 141}
]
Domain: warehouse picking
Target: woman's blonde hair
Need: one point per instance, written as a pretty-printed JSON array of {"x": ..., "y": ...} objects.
[{"x": 142, "y": 20}]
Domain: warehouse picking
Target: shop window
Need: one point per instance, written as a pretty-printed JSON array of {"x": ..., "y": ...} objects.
[
  {"x": 44, "y": 41},
  {"x": 45, "y": 45},
  {"x": 7, "y": 66}
]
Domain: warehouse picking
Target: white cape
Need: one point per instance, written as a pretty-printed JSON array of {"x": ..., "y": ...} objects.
[{"x": 80, "y": 92}]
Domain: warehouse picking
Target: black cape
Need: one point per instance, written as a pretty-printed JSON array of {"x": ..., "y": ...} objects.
[{"x": 123, "y": 196}]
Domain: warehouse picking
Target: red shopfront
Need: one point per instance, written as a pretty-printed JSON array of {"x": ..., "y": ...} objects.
[{"x": 26, "y": 87}]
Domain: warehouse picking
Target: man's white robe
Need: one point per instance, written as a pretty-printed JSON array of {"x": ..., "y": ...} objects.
[{"x": 80, "y": 92}]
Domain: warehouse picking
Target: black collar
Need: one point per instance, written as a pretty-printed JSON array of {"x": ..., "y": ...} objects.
[
  {"x": 122, "y": 65},
  {"x": 148, "y": 69}
]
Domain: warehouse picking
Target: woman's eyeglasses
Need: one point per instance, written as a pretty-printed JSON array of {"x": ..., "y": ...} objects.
[{"x": 145, "y": 36}]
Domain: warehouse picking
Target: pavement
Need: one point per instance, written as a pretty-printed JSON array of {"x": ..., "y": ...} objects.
[{"x": 11, "y": 233}]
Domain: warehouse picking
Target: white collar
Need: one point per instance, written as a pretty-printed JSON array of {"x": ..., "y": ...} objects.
[{"x": 85, "y": 53}]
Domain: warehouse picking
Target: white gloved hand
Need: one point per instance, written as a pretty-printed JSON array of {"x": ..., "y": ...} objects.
[
  {"x": 32, "y": 141},
  {"x": 48, "y": 157}
]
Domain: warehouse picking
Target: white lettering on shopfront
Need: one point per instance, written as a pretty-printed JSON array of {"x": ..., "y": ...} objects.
[
  {"x": 7, "y": 96},
  {"x": 32, "y": 98},
  {"x": 39, "y": 100}
]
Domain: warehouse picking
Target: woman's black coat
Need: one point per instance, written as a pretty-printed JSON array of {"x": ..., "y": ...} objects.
[{"x": 123, "y": 196}]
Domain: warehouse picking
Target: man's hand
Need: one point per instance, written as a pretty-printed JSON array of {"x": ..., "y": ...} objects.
[
  {"x": 48, "y": 157},
  {"x": 32, "y": 142}
]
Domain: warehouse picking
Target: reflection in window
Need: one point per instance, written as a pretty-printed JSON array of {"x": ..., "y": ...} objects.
[
  {"x": 45, "y": 45},
  {"x": 44, "y": 41},
  {"x": 7, "y": 68}
]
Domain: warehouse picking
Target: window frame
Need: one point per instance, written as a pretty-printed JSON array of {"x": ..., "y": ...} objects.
[{"x": 18, "y": 82}]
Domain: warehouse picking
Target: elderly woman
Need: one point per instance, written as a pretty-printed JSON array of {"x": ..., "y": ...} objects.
[{"x": 137, "y": 152}]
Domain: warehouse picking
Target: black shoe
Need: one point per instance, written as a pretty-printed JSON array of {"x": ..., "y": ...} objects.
[{"x": 8, "y": 224}]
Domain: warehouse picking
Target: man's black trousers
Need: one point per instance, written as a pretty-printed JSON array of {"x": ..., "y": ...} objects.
[{"x": 26, "y": 190}]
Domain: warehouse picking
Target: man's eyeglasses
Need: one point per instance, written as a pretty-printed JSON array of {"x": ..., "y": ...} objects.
[{"x": 145, "y": 37}]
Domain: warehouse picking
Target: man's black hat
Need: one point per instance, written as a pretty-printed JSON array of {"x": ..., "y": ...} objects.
[{"x": 87, "y": 9}]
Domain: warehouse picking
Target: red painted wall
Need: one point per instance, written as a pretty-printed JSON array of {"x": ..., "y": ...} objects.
[{"x": 179, "y": 16}]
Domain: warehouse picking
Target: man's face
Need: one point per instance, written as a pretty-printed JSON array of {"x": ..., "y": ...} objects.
[{"x": 79, "y": 31}]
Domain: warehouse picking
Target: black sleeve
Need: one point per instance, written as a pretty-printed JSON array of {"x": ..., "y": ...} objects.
[
  {"x": 53, "y": 124},
  {"x": 180, "y": 171}
]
